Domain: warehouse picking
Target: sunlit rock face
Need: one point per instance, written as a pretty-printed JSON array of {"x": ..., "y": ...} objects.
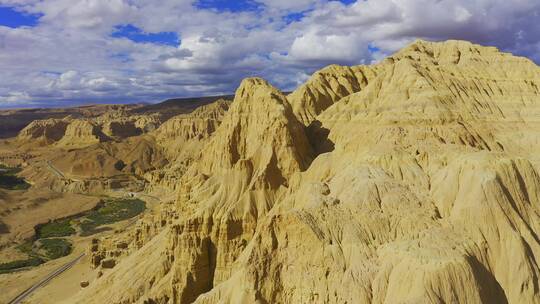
[{"x": 414, "y": 180}]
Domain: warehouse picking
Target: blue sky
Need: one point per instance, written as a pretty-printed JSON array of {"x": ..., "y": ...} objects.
[
  {"x": 14, "y": 17},
  {"x": 65, "y": 52},
  {"x": 10, "y": 17},
  {"x": 231, "y": 6},
  {"x": 135, "y": 34}
]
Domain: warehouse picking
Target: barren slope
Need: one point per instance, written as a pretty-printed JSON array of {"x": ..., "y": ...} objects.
[{"x": 427, "y": 191}]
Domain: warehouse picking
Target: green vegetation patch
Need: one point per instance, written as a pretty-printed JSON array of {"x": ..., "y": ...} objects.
[
  {"x": 38, "y": 253},
  {"x": 12, "y": 182},
  {"x": 55, "y": 248},
  {"x": 49, "y": 244},
  {"x": 57, "y": 228},
  {"x": 26, "y": 247},
  {"x": 16, "y": 265},
  {"x": 111, "y": 211},
  {"x": 9, "y": 180}
]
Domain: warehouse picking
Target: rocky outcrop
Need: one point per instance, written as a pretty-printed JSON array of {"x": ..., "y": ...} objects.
[
  {"x": 147, "y": 123},
  {"x": 242, "y": 171},
  {"x": 383, "y": 216},
  {"x": 427, "y": 191},
  {"x": 120, "y": 129},
  {"x": 81, "y": 132},
  {"x": 326, "y": 87},
  {"x": 43, "y": 132},
  {"x": 135, "y": 155},
  {"x": 200, "y": 123},
  {"x": 120, "y": 124},
  {"x": 185, "y": 130},
  {"x": 182, "y": 138}
]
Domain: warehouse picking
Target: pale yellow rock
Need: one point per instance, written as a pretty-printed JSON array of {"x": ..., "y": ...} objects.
[
  {"x": 179, "y": 132},
  {"x": 182, "y": 137},
  {"x": 326, "y": 87},
  {"x": 120, "y": 124},
  {"x": 147, "y": 123},
  {"x": 82, "y": 132},
  {"x": 120, "y": 129},
  {"x": 43, "y": 132},
  {"x": 134, "y": 155},
  {"x": 235, "y": 180},
  {"x": 419, "y": 184}
]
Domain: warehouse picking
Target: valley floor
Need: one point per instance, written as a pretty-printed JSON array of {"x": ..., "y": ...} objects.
[{"x": 22, "y": 211}]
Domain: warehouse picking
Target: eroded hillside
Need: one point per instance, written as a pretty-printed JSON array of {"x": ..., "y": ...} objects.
[{"x": 414, "y": 180}]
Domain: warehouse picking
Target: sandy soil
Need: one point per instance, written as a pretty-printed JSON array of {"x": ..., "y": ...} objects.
[
  {"x": 25, "y": 209},
  {"x": 21, "y": 211},
  {"x": 11, "y": 254},
  {"x": 66, "y": 284},
  {"x": 12, "y": 284}
]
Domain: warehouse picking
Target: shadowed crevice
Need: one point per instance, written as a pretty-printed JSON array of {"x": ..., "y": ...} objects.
[
  {"x": 3, "y": 228},
  {"x": 490, "y": 289},
  {"x": 318, "y": 138}
]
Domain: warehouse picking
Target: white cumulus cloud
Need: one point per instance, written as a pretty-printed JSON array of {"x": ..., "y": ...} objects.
[{"x": 71, "y": 55}]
